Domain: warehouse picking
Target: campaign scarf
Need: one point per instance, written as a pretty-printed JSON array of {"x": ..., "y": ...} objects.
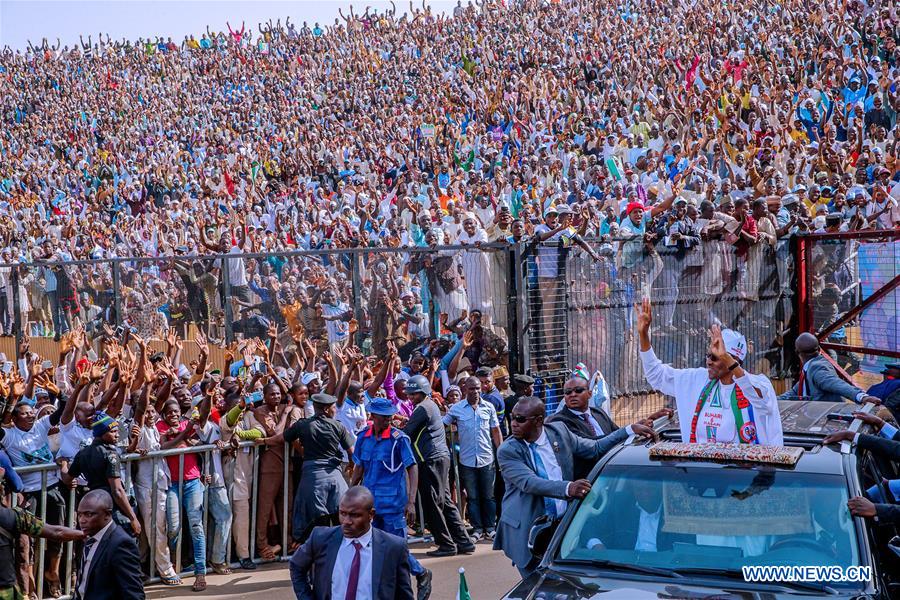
[{"x": 740, "y": 406}]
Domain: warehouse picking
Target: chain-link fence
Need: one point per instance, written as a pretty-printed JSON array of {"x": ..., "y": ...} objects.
[{"x": 581, "y": 309}]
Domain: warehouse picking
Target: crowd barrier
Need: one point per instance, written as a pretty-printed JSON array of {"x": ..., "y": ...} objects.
[{"x": 148, "y": 538}]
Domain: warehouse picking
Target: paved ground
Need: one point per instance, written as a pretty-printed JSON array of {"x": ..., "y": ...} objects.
[{"x": 488, "y": 573}]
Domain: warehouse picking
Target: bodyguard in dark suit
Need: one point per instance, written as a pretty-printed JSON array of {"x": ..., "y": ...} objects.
[
  {"x": 885, "y": 444},
  {"x": 353, "y": 561},
  {"x": 537, "y": 467},
  {"x": 110, "y": 563},
  {"x": 818, "y": 380}
]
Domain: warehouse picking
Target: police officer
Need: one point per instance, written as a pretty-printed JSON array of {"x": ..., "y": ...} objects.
[
  {"x": 321, "y": 484},
  {"x": 100, "y": 465},
  {"x": 430, "y": 448},
  {"x": 383, "y": 461}
]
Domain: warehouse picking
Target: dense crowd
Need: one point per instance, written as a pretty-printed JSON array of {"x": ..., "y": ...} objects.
[
  {"x": 669, "y": 146},
  {"x": 697, "y": 136}
]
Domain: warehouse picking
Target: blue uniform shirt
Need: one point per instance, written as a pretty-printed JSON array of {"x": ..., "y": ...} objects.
[{"x": 385, "y": 459}]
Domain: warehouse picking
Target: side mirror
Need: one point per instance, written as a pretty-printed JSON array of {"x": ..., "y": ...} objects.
[
  {"x": 893, "y": 544},
  {"x": 541, "y": 533}
]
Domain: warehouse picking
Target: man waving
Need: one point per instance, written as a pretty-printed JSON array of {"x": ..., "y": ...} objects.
[{"x": 721, "y": 403}]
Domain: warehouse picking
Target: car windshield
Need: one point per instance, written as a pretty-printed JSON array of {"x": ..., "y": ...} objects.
[{"x": 685, "y": 518}]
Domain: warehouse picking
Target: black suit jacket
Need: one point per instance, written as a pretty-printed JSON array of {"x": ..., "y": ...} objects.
[
  {"x": 883, "y": 447},
  {"x": 312, "y": 565},
  {"x": 115, "y": 569},
  {"x": 577, "y": 426}
]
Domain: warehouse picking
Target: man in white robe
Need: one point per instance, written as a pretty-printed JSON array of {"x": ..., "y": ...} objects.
[{"x": 719, "y": 403}]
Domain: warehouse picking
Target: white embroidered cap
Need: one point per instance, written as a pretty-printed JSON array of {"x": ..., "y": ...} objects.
[{"x": 735, "y": 344}]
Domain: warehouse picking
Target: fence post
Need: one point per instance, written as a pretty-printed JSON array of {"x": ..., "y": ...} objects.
[
  {"x": 356, "y": 291},
  {"x": 801, "y": 309},
  {"x": 17, "y": 315},
  {"x": 513, "y": 313},
  {"x": 117, "y": 296},
  {"x": 226, "y": 300}
]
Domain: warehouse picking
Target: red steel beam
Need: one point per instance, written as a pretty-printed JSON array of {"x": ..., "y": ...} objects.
[{"x": 850, "y": 314}]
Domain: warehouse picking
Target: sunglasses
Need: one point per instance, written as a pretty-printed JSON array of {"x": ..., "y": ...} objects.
[
  {"x": 574, "y": 390},
  {"x": 521, "y": 418}
]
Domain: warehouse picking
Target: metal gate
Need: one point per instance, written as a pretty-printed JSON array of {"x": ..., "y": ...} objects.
[{"x": 848, "y": 297}]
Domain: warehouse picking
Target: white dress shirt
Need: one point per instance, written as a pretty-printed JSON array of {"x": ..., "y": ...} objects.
[
  {"x": 341, "y": 575},
  {"x": 648, "y": 528},
  {"x": 86, "y": 567},
  {"x": 551, "y": 465}
]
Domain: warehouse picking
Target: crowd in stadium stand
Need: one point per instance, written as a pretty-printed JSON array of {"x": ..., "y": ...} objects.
[{"x": 675, "y": 145}]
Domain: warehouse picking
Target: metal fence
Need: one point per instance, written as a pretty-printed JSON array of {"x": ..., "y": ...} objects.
[
  {"x": 848, "y": 287},
  {"x": 582, "y": 310},
  {"x": 237, "y": 295},
  {"x": 543, "y": 308},
  {"x": 152, "y": 527}
]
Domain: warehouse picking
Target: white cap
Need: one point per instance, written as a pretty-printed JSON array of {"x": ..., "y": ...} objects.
[
  {"x": 735, "y": 344},
  {"x": 307, "y": 377}
]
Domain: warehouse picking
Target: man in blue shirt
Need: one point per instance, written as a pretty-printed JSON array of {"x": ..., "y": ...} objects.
[
  {"x": 384, "y": 462},
  {"x": 478, "y": 431},
  {"x": 490, "y": 393}
]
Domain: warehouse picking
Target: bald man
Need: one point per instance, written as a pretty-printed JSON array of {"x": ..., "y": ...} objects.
[
  {"x": 110, "y": 563},
  {"x": 818, "y": 379},
  {"x": 352, "y": 560}
]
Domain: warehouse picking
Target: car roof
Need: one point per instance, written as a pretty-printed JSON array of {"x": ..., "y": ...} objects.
[{"x": 805, "y": 424}]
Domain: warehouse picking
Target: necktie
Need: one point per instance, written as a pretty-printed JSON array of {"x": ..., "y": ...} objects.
[
  {"x": 541, "y": 470},
  {"x": 587, "y": 420},
  {"x": 88, "y": 544},
  {"x": 353, "y": 579}
]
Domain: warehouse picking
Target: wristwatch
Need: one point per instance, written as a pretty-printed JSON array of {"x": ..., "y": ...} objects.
[{"x": 734, "y": 366}]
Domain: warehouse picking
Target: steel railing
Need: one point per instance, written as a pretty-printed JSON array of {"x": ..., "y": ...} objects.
[{"x": 150, "y": 529}]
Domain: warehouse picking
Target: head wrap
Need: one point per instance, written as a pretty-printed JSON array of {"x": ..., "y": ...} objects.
[{"x": 581, "y": 371}]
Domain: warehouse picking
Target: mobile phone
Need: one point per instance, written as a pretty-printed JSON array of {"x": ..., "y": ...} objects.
[
  {"x": 120, "y": 331},
  {"x": 47, "y": 364},
  {"x": 255, "y": 398},
  {"x": 839, "y": 417}
]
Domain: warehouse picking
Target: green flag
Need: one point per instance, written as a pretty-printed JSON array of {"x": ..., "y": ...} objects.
[{"x": 463, "y": 593}]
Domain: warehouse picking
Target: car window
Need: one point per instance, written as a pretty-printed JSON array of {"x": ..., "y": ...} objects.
[{"x": 719, "y": 518}]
